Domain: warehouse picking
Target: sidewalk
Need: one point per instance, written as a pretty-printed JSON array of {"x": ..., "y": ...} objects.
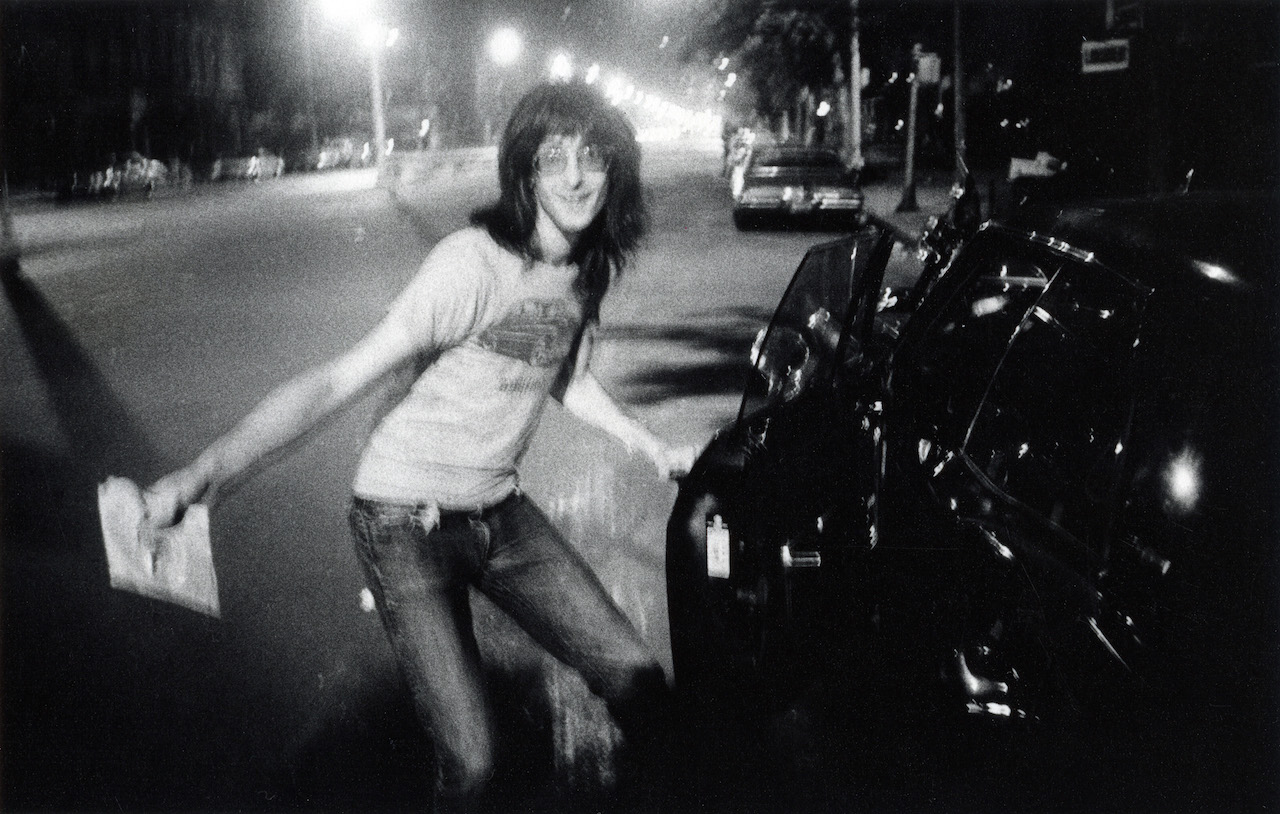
[
  {"x": 933, "y": 197},
  {"x": 882, "y": 199}
]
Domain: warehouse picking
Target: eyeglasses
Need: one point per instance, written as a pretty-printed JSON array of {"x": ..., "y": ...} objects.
[{"x": 555, "y": 160}]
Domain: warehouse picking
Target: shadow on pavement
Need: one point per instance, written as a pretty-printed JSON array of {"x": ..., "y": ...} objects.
[
  {"x": 116, "y": 702},
  {"x": 717, "y": 343},
  {"x": 109, "y": 700},
  {"x": 101, "y": 432}
]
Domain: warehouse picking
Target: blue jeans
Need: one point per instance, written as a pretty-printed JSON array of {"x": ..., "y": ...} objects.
[{"x": 420, "y": 577}]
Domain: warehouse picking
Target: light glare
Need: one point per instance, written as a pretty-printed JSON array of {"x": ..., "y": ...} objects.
[
  {"x": 1183, "y": 481},
  {"x": 504, "y": 46},
  {"x": 561, "y": 67}
]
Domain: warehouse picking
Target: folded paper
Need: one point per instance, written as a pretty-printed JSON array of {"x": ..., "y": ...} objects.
[{"x": 172, "y": 564}]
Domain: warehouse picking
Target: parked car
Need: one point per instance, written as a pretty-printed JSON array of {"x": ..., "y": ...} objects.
[
  {"x": 260, "y": 165},
  {"x": 1033, "y": 497},
  {"x": 789, "y": 184},
  {"x": 134, "y": 175}
]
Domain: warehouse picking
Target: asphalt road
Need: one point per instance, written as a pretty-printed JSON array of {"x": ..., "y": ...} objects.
[{"x": 135, "y": 332}]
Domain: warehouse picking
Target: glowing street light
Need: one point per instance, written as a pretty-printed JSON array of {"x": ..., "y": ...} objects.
[
  {"x": 505, "y": 46},
  {"x": 375, "y": 37},
  {"x": 561, "y": 67},
  {"x": 344, "y": 12}
]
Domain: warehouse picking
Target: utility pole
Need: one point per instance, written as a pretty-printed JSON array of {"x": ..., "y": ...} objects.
[
  {"x": 8, "y": 242},
  {"x": 308, "y": 44},
  {"x": 957, "y": 76},
  {"x": 908, "y": 202},
  {"x": 855, "y": 89},
  {"x": 379, "y": 117}
]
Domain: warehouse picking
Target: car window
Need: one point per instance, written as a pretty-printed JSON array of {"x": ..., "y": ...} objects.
[
  {"x": 799, "y": 160},
  {"x": 1049, "y": 430},
  {"x": 962, "y": 346},
  {"x": 807, "y": 341}
]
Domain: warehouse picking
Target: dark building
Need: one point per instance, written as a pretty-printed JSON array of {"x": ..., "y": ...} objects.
[
  {"x": 1157, "y": 90},
  {"x": 1137, "y": 92},
  {"x": 86, "y": 81}
]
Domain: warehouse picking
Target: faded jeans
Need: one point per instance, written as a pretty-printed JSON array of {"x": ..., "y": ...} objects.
[{"x": 420, "y": 569}]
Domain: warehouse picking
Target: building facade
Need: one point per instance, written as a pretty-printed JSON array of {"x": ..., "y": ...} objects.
[{"x": 88, "y": 83}]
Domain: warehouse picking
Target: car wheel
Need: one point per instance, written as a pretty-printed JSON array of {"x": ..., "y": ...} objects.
[{"x": 743, "y": 221}]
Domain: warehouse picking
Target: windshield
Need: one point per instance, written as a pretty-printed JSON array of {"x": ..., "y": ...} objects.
[{"x": 808, "y": 333}]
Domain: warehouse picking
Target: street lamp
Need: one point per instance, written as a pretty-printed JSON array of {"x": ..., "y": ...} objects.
[
  {"x": 561, "y": 68},
  {"x": 375, "y": 37},
  {"x": 504, "y": 49},
  {"x": 504, "y": 46}
]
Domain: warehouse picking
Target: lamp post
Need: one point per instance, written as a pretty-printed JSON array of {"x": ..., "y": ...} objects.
[
  {"x": 309, "y": 57},
  {"x": 504, "y": 47},
  {"x": 856, "y": 159},
  {"x": 375, "y": 41},
  {"x": 375, "y": 37}
]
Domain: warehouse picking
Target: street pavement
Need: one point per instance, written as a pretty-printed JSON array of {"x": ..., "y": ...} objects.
[{"x": 136, "y": 331}]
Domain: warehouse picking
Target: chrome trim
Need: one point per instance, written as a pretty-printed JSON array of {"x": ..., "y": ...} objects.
[{"x": 800, "y": 559}]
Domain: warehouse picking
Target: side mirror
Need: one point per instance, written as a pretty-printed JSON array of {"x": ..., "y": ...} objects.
[{"x": 785, "y": 360}]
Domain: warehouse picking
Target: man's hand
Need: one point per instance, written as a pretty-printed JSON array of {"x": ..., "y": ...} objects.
[
  {"x": 675, "y": 461},
  {"x": 168, "y": 498}
]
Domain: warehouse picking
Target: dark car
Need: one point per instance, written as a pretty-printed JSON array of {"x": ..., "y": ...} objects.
[
  {"x": 789, "y": 184},
  {"x": 1030, "y": 502}
]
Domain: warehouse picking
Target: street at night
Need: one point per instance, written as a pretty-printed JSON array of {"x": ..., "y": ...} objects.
[
  {"x": 954, "y": 326},
  {"x": 135, "y": 332}
]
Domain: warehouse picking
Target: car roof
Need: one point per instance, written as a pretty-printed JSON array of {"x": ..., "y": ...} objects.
[{"x": 1205, "y": 241}]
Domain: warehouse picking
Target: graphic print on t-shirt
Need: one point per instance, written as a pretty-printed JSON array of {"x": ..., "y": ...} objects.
[{"x": 536, "y": 332}]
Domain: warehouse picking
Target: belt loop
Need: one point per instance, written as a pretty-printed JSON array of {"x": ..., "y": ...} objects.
[{"x": 428, "y": 517}]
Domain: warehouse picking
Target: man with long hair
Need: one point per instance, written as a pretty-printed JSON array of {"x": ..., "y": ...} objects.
[{"x": 499, "y": 317}]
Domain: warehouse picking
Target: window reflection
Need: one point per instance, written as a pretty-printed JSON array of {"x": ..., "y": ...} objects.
[
  {"x": 964, "y": 344},
  {"x": 1049, "y": 431}
]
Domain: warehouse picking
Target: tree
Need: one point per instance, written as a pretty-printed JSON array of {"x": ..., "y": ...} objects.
[
  {"x": 784, "y": 48},
  {"x": 787, "y": 50}
]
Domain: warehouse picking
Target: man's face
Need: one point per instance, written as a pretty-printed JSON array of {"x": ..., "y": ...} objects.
[{"x": 569, "y": 184}]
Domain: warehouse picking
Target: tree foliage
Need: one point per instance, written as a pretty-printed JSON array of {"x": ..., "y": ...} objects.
[
  {"x": 781, "y": 47},
  {"x": 789, "y": 51}
]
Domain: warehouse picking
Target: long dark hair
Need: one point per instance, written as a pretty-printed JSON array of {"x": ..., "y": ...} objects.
[{"x": 604, "y": 247}]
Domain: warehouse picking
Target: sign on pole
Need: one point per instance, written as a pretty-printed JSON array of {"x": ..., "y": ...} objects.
[
  {"x": 929, "y": 69},
  {"x": 1104, "y": 55}
]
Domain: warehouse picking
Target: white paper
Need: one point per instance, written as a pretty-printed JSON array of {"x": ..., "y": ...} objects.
[
  {"x": 173, "y": 564},
  {"x": 717, "y": 548}
]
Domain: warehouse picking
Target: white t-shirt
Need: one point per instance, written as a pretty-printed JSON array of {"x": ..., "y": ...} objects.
[{"x": 495, "y": 331}]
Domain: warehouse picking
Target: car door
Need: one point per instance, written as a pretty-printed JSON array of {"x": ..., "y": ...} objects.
[
  {"x": 746, "y": 565},
  {"x": 1012, "y": 400},
  {"x": 939, "y": 374},
  {"x": 1043, "y": 458},
  {"x": 1049, "y": 435}
]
